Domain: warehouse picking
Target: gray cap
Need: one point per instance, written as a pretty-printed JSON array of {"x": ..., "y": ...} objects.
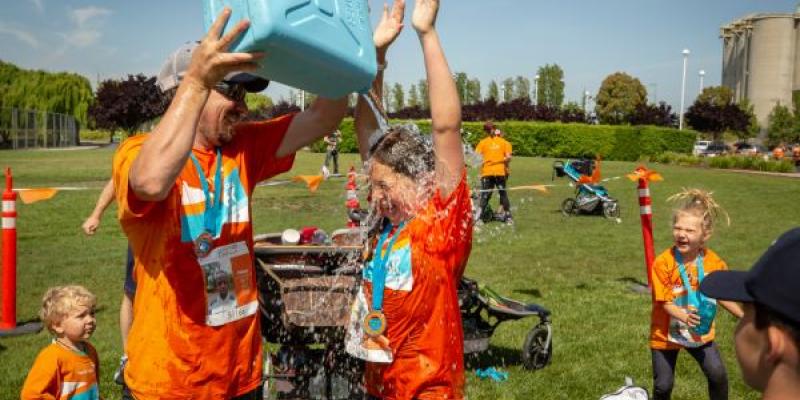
[{"x": 178, "y": 62}]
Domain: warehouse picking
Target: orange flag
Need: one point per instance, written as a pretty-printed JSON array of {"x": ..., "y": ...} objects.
[
  {"x": 312, "y": 181},
  {"x": 29, "y": 196}
]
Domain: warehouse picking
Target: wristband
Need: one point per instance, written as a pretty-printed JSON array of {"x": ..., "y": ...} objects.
[{"x": 382, "y": 66}]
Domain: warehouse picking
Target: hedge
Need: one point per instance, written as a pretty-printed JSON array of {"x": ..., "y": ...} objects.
[
  {"x": 755, "y": 163},
  {"x": 553, "y": 139}
]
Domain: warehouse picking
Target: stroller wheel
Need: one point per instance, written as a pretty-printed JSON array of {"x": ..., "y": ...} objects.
[
  {"x": 610, "y": 210},
  {"x": 538, "y": 347},
  {"x": 568, "y": 207}
]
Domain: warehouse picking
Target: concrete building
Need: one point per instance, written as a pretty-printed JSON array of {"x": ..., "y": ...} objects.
[{"x": 761, "y": 60}]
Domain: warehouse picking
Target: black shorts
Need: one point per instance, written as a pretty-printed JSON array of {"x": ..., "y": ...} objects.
[{"x": 130, "y": 284}]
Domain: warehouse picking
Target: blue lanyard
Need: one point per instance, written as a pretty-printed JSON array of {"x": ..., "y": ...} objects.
[
  {"x": 682, "y": 269},
  {"x": 379, "y": 270},
  {"x": 211, "y": 214}
]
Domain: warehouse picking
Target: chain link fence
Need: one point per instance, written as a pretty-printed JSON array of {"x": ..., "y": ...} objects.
[{"x": 26, "y": 129}]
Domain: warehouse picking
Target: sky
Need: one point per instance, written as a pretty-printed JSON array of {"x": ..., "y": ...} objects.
[{"x": 487, "y": 39}]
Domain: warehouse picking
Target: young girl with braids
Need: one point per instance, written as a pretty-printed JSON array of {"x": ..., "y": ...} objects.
[{"x": 683, "y": 318}]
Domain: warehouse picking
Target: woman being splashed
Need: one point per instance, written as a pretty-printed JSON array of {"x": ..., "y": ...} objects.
[{"x": 424, "y": 234}]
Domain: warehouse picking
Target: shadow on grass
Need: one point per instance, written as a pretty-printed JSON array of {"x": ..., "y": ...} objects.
[
  {"x": 635, "y": 285},
  {"x": 495, "y": 356}
]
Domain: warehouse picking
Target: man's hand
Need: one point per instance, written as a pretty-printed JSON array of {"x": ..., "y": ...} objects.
[
  {"x": 390, "y": 25},
  {"x": 211, "y": 60},
  {"x": 90, "y": 225},
  {"x": 424, "y": 17}
]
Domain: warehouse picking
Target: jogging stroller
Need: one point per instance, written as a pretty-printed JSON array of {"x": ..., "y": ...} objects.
[
  {"x": 590, "y": 196},
  {"x": 482, "y": 310}
]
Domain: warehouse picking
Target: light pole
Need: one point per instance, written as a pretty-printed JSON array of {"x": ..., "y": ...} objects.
[
  {"x": 683, "y": 85},
  {"x": 702, "y": 74},
  {"x": 536, "y": 89},
  {"x": 586, "y": 97}
]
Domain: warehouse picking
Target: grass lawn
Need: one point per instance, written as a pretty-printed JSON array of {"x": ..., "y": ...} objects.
[{"x": 581, "y": 268}]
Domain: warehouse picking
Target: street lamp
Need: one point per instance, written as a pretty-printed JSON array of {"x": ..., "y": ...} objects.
[
  {"x": 702, "y": 74},
  {"x": 683, "y": 86},
  {"x": 536, "y": 89},
  {"x": 586, "y": 97}
]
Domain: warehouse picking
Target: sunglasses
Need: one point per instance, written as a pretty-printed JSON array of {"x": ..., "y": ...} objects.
[{"x": 232, "y": 91}]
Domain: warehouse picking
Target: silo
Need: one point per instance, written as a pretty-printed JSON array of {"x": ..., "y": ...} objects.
[{"x": 771, "y": 59}]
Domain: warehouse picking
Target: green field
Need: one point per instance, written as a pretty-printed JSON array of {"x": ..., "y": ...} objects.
[{"x": 581, "y": 268}]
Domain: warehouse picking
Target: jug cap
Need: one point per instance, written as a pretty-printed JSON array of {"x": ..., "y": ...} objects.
[{"x": 178, "y": 62}]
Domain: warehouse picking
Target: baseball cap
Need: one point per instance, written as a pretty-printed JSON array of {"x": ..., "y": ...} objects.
[
  {"x": 178, "y": 62},
  {"x": 772, "y": 281}
]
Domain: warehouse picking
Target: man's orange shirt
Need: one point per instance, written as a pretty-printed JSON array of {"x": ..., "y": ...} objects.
[
  {"x": 494, "y": 150},
  {"x": 172, "y": 352},
  {"x": 421, "y": 306},
  {"x": 667, "y": 285},
  {"x": 64, "y": 374}
]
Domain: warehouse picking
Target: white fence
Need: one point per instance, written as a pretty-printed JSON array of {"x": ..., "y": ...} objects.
[{"x": 25, "y": 129}]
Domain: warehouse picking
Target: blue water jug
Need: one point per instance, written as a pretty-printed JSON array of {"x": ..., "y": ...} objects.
[{"x": 322, "y": 46}]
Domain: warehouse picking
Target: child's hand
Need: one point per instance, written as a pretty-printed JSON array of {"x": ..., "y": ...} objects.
[
  {"x": 390, "y": 26},
  {"x": 692, "y": 319},
  {"x": 424, "y": 17}
]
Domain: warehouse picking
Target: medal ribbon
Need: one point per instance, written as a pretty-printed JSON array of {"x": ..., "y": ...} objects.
[
  {"x": 381, "y": 257},
  {"x": 211, "y": 214},
  {"x": 684, "y": 277}
]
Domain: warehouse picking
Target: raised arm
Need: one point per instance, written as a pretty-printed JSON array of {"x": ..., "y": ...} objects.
[
  {"x": 93, "y": 220},
  {"x": 445, "y": 106},
  {"x": 165, "y": 151},
  {"x": 389, "y": 27}
]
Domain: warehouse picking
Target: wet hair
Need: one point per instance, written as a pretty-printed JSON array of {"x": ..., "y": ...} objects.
[
  {"x": 59, "y": 301},
  {"x": 765, "y": 317},
  {"x": 405, "y": 152},
  {"x": 699, "y": 203}
]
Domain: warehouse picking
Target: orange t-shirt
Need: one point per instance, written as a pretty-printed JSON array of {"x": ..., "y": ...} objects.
[
  {"x": 172, "y": 351},
  {"x": 63, "y": 374},
  {"x": 494, "y": 150},
  {"x": 667, "y": 285},
  {"x": 420, "y": 303}
]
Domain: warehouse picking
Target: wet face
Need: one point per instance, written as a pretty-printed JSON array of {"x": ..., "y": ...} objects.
[
  {"x": 395, "y": 195},
  {"x": 219, "y": 116},
  {"x": 751, "y": 348},
  {"x": 688, "y": 234},
  {"x": 77, "y": 326}
]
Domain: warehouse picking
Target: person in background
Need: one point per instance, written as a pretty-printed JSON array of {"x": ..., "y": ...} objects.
[
  {"x": 332, "y": 147},
  {"x": 496, "y": 153}
]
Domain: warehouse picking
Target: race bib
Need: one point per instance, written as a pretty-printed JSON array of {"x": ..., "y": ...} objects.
[
  {"x": 357, "y": 343},
  {"x": 230, "y": 291}
]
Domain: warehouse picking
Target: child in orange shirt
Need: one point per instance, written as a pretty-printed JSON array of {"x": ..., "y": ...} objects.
[
  {"x": 682, "y": 318},
  {"x": 422, "y": 236},
  {"x": 68, "y": 368}
]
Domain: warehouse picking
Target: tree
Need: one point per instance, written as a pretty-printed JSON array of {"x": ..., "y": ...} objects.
[
  {"x": 257, "y": 101},
  {"x": 474, "y": 91},
  {"x": 550, "y": 87},
  {"x": 493, "y": 92},
  {"x": 716, "y": 95},
  {"x": 651, "y": 114},
  {"x": 522, "y": 88},
  {"x": 462, "y": 83},
  {"x": 127, "y": 104},
  {"x": 387, "y": 95},
  {"x": 781, "y": 125},
  {"x": 424, "y": 100},
  {"x": 413, "y": 97},
  {"x": 715, "y": 119},
  {"x": 508, "y": 90},
  {"x": 398, "y": 97},
  {"x": 618, "y": 97}
]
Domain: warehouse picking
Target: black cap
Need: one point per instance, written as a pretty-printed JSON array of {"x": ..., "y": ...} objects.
[{"x": 773, "y": 281}]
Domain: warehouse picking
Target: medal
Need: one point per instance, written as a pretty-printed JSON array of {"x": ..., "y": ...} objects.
[
  {"x": 374, "y": 323},
  {"x": 203, "y": 245},
  {"x": 204, "y": 242}
]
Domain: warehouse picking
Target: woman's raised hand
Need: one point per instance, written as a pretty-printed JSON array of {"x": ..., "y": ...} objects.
[
  {"x": 390, "y": 25},
  {"x": 424, "y": 17}
]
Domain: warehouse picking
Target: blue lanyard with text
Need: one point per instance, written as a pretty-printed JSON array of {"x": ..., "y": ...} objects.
[
  {"x": 684, "y": 277},
  {"x": 379, "y": 272},
  {"x": 211, "y": 213}
]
